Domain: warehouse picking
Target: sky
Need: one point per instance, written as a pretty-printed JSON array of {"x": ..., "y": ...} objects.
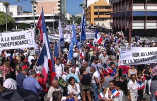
[{"x": 72, "y": 5}]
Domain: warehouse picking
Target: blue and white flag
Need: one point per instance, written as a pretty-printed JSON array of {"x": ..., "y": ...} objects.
[
  {"x": 61, "y": 35},
  {"x": 83, "y": 29},
  {"x": 74, "y": 35}
]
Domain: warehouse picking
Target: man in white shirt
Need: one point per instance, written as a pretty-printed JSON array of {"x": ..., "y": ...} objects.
[
  {"x": 65, "y": 73},
  {"x": 9, "y": 83},
  {"x": 95, "y": 82},
  {"x": 31, "y": 56},
  {"x": 77, "y": 71},
  {"x": 55, "y": 87},
  {"x": 59, "y": 68}
]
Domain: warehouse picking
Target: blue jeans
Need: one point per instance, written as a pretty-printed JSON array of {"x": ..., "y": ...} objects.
[{"x": 95, "y": 90}]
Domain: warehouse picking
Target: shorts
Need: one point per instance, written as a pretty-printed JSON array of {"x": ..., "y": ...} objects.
[{"x": 85, "y": 88}]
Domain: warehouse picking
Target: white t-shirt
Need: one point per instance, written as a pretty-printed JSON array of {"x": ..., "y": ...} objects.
[
  {"x": 59, "y": 69},
  {"x": 77, "y": 71},
  {"x": 132, "y": 86},
  {"x": 10, "y": 84},
  {"x": 30, "y": 58},
  {"x": 96, "y": 74}
]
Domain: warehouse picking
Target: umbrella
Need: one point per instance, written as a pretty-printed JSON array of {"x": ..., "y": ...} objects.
[{"x": 19, "y": 95}]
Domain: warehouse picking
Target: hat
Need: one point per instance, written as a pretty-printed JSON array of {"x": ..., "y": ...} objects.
[
  {"x": 73, "y": 63},
  {"x": 24, "y": 67},
  {"x": 18, "y": 58},
  {"x": 32, "y": 53}
]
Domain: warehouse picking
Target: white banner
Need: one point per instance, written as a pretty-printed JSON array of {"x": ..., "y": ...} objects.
[
  {"x": 15, "y": 40},
  {"x": 137, "y": 55},
  {"x": 90, "y": 35}
]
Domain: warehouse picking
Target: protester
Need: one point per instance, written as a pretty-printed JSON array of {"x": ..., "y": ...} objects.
[
  {"x": 141, "y": 86},
  {"x": 73, "y": 88},
  {"x": 9, "y": 83},
  {"x": 95, "y": 82},
  {"x": 20, "y": 78},
  {"x": 59, "y": 68},
  {"x": 72, "y": 74},
  {"x": 153, "y": 89},
  {"x": 131, "y": 71},
  {"x": 147, "y": 74},
  {"x": 31, "y": 83},
  {"x": 132, "y": 88},
  {"x": 85, "y": 79},
  {"x": 6, "y": 68},
  {"x": 54, "y": 87}
]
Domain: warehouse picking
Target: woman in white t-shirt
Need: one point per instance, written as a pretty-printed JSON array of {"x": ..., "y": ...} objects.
[{"x": 73, "y": 88}]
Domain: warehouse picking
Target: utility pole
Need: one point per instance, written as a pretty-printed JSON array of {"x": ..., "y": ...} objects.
[
  {"x": 53, "y": 20},
  {"x": 6, "y": 6},
  {"x": 34, "y": 18}
]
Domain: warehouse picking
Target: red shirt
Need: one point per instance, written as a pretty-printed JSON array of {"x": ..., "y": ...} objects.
[{"x": 41, "y": 82}]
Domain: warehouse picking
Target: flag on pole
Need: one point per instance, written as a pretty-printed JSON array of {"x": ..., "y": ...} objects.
[
  {"x": 45, "y": 59},
  {"x": 70, "y": 54},
  {"x": 83, "y": 29},
  {"x": 74, "y": 35},
  {"x": 73, "y": 42},
  {"x": 56, "y": 52},
  {"x": 39, "y": 25},
  {"x": 98, "y": 38},
  {"x": 96, "y": 32},
  {"x": 61, "y": 35}
]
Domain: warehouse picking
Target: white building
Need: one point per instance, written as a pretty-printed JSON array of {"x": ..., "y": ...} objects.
[
  {"x": 68, "y": 16},
  {"x": 79, "y": 15},
  {"x": 3, "y": 8},
  {"x": 15, "y": 10}
]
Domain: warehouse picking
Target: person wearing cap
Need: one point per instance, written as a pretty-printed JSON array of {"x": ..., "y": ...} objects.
[
  {"x": 77, "y": 71},
  {"x": 31, "y": 83},
  {"x": 20, "y": 77},
  {"x": 9, "y": 83}
]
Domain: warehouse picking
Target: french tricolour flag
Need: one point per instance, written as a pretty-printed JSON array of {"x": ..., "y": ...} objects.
[
  {"x": 98, "y": 38},
  {"x": 45, "y": 58},
  {"x": 101, "y": 95},
  {"x": 107, "y": 69},
  {"x": 115, "y": 93},
  {"x": 140, "y": 86}
]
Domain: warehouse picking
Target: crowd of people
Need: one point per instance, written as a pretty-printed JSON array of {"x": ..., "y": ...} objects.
[{"x": 93, "y": 74}]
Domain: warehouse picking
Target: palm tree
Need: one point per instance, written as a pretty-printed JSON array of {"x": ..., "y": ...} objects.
[
  {"x": 6, "y": 4},
  {"x": 81, "y": 5}
]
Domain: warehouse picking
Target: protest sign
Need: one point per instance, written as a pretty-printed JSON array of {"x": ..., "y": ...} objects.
[
  {"x": 15, "y": 40},
  {"x": 90, "y": 35},
  {"x": 137, "y": 55}
]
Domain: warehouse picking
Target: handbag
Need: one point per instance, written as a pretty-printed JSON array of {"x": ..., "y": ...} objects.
[{"x": 62, "y": 83}]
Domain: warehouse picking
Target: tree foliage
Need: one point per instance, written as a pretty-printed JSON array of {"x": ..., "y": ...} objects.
[
  {"x": 10, "y": 21},
  {"x": 6, "y": 4},
  {"x": 23, "y": 26}
]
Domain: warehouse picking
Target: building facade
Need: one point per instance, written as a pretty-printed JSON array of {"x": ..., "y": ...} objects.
[
  {"x": 135, "y": 17},
  {"x": 15, "y": 10},
  {"x": 99, "y": 13},
  {"x": 50, "y": 6},
  {"x": 3, "y": 8}
]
